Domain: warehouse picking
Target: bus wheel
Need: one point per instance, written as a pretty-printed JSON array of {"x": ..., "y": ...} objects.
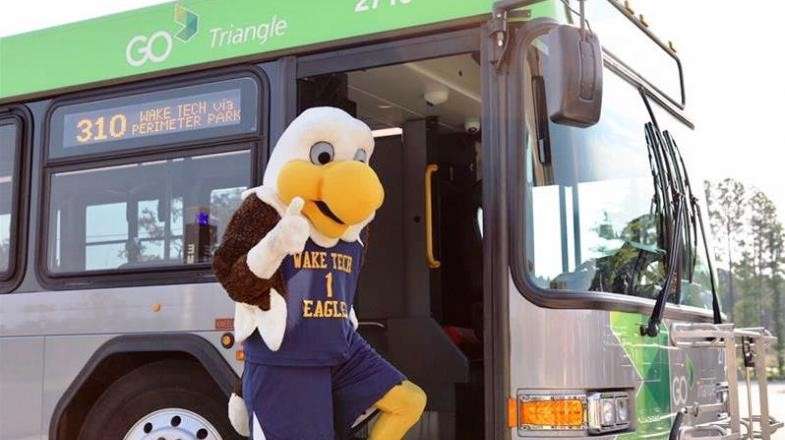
[{"x": 167, "y": 400}]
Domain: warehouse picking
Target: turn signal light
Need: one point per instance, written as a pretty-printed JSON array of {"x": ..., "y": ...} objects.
[
  {"x": 567, "y": 413},
  {"x": 595, "y": 412},
  {"x": 551, "y": 412}
]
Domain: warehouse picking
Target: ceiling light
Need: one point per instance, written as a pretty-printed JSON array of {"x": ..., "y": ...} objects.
[{"x": 384, "y": 132}]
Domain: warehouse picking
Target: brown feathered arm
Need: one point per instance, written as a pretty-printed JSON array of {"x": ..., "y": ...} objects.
[{"x": 249, "y": 224}]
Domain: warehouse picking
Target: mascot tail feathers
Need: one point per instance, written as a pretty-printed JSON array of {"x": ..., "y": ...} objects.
[{"x": 238, "y": 412}]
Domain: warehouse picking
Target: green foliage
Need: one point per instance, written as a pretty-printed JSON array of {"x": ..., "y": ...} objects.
[
  {"x": 726, "y": 202},
  {"x": 748, "y": 242}
]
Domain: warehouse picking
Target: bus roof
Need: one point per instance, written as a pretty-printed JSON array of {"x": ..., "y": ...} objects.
[{"x": 176, "y": 35}]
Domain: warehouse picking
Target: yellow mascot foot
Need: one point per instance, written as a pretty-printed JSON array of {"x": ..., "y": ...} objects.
[{"x": 400, "y": 409}]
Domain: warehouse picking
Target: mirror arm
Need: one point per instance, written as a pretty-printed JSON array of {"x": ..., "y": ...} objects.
[
  {"x": 500, "y": 26},
  {"x": 503, "y": 6}
]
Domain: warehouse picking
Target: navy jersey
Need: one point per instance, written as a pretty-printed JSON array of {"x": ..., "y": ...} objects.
[{"x": 320, "y": 284}]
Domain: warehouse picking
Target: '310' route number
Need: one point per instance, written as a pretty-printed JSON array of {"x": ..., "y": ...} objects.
[{"x": 367, "y": 5}]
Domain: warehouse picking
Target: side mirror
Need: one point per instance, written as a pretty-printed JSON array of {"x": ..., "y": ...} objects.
[{"x": 573, "y": 73}]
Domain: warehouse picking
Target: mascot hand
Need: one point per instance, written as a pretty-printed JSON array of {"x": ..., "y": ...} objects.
[{"x": 293, "y": 230}]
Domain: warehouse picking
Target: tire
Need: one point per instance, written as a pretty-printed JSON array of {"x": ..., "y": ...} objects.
[{"x": 154, "y": 394}]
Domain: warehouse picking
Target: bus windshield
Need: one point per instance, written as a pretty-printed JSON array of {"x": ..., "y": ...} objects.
[{"x": 598, "y": 183}]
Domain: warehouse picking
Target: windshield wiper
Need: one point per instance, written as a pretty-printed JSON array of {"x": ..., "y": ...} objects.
[
  {"x": 674, "y": 261},
  {"x": 698, "y": 215},
  {"x": 680, "y": 176},
  {"x": 671, "y": 190},
  {"x": 672, "y": 220},
  {"x": 671, "y": 175}
]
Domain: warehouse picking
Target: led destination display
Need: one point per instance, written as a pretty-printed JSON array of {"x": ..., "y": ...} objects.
[{"x": 192, "y": 113}]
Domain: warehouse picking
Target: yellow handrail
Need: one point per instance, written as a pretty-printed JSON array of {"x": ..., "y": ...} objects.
[{"x": 433, "y": 263}]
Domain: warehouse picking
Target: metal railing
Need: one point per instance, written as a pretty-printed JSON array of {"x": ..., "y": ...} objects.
[{"x": 753, "y": 344}]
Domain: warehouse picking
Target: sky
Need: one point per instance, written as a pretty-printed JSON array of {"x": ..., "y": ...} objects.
[
  {"x": 735, "y": 77},
  {"x": 735, "y": 82}
]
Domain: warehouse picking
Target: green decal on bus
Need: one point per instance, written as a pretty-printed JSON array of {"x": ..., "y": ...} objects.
[{"x": 649, "y": 357}]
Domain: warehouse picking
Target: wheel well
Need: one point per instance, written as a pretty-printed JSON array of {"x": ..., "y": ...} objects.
[{"x": 121, "y": 355}]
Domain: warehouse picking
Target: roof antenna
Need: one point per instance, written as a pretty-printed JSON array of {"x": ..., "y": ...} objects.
[{"x": 582, "y": 8}]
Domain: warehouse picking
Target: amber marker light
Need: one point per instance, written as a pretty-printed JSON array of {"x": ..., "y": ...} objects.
[
  {"x": 552, "y": 412},
  {"x": 595, "y": 412}
]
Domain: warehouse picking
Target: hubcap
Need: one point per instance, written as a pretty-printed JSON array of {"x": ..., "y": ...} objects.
[{"x": 172, "y": 424}]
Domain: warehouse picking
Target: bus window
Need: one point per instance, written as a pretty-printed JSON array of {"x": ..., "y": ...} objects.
[
  {"x": 146, "y": 214},
  {"x": 8, "y": 151},
  {"x": 597, "y": 182}
]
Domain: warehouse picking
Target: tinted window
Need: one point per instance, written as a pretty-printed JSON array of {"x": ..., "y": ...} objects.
[
  {"x": 141, "y": 215},
  {"x": 8, "y": 151}
]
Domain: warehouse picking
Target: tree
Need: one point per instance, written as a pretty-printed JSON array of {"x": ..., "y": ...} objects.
[
  {"x": 767, "y": 238},
  {"x": 774, "y": 244},
  {"x": 765, "y": 248},
  {"x": 727, "y": 209}
]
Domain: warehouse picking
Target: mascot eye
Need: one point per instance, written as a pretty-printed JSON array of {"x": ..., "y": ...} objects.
[
  {"x": 322, "y": 153},
  {"x": 361, "y": 155}
]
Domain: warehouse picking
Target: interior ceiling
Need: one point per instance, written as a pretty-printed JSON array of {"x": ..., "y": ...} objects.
[{"x": 389, "y": 96}]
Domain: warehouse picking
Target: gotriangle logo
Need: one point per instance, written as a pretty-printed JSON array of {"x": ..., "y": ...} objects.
[{"x": 189, "y": 22}]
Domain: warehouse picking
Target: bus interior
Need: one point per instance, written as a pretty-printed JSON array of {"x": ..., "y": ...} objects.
[{"x": 423, "y": 315}]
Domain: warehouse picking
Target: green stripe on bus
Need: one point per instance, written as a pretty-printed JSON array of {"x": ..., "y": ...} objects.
[
  {"x": 175, "y": 35},
  {"x": 649, "y": 357}
]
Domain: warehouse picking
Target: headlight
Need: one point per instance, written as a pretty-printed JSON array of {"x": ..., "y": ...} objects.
[{"x": 608, "y": 411}]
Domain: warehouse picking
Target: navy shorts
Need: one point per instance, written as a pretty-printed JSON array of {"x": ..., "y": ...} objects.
[{"x": 316, "y": 403}]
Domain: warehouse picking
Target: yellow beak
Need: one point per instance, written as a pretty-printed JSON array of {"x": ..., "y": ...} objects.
[{"x": 337, "y": 195}]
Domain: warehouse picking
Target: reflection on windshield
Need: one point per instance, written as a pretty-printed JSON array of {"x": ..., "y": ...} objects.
[{"x": 593, "y": 224}]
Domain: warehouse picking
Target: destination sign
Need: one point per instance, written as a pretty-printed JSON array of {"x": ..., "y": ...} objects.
[
  {"x": 188, "y": 113},
  {"x": 192, "y": 112}
]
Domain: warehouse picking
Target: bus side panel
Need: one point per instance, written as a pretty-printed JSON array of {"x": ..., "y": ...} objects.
[
  {"x": 187, "y": 307},
  {"x": 64, "y": 358},
  {"x": 77, "y": 323},
  {"x": 542, "y": 339},
  {"x": 577, "y": 350},
  {"x": 21, "y": 373}
]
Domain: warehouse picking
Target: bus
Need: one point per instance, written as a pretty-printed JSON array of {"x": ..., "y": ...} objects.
[{"x": 539, "y": 267}]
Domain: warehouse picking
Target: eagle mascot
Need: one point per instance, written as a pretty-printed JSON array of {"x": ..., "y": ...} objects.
[{"x": 290, "y": 259}]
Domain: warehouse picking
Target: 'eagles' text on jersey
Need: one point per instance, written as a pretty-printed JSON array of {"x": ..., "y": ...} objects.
[{"x": 320, "y": 284}]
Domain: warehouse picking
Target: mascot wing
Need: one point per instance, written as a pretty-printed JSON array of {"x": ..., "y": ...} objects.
[{"x": 250, "y": 275}]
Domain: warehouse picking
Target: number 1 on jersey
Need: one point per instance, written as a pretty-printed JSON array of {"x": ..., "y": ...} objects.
[{"x": 329, "y": 278}]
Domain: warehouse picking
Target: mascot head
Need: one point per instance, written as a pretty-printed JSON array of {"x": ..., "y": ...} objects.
[{"x": 322, "y": 157}]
